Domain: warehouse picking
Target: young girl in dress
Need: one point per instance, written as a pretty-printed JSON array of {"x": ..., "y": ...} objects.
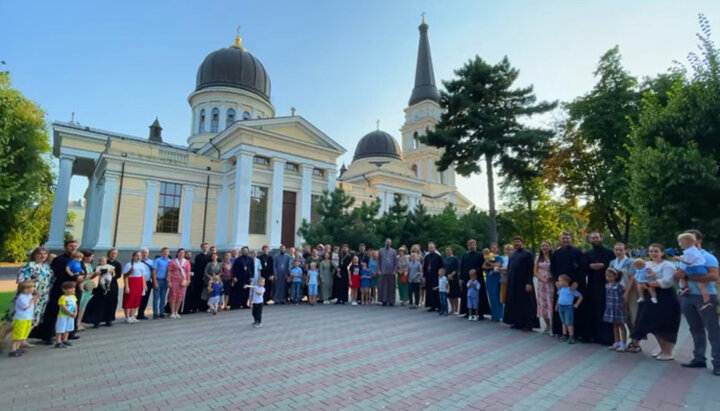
[
  {"x": 354, "y": 270},
  {"x": 614, "y": 308},
  {"x": 227, "y": 277}
]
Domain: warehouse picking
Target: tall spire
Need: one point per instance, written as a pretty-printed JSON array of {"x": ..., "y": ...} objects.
[{"x": 425, "y": 88}]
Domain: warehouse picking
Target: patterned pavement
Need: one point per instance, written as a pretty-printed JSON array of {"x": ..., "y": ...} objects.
[{"x": 344, "y": 357}]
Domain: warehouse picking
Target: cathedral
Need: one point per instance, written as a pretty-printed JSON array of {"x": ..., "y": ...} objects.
[{"x": 246, "y": 176}]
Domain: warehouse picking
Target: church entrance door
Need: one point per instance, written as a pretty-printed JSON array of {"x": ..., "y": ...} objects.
[{"x": 288, "y": 218}]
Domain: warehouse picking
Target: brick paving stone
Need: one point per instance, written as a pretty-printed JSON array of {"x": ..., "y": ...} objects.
[{"x": 344, "y": 357}]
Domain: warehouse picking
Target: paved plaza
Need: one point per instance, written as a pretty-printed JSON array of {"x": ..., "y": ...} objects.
[{"x": 344, "y": 357}]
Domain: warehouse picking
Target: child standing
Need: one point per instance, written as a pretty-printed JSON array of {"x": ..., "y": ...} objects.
[
  {"x": 215, "y": 289},
  {"x": 295, "y": 281},
  {"x": 615, "y": 309},
  {"x": 642, "y": 277},
  {"x": 313, "y": 283},
  {"x": 442, "y": 288},
  {"x": 257, "y": 301},
  {"x": 22, "y": 320},
  {"x": 473, "y": 296},
  {"x": 565, "y": 307},
  {"x": 65, "y": 323},
  {"x": 694, "y": 264},
  {"x": 365, "y": 284},
  {"x": 354, "y": 270},
  {"x": 414, "y": 279}
]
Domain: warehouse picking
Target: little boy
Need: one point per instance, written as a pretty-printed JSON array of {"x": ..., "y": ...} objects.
[
  {"x": 365, "y": 283},
  {"x": 312, "y": 283},
  {"x": 65, "y": 323},
  {"x": 215, "y": 288},
  {"x": 106, "y": 274},
  {"x": 257, "y": 301},
  {"x": 22, "y": 320},
  {"x": 473, "y": 296},
  {"x": 643, "y": 275},
  {"x": 74, "y": 266},
  {"x": 442, "y": 288},
  {"x": 565, "y": 307},
  {"x": 694, "y": 264}
]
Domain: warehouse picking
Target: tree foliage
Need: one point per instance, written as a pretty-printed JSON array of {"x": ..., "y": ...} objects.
[{"x": 25, "y": 177}]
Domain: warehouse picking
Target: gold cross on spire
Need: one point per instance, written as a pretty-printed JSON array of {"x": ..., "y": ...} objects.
[
  {"x": 377, "y": 123},
  {"x": 238, "y": 40},
  {"x": 423, "y": 17}
]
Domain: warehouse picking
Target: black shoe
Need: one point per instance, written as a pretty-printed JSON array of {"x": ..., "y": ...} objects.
[
  {"x": 384, "y": 304},
  {"x": 155, "y": 316},
  {"x": 141, "y": 318},
  {"x": 109, "y": 324},
  {"x": 46, "y": 342},
  {"x": 60, "y": 345},
  {"x": 96, "y": 325},
  {"x": 431, "y": 309},
  {"x": 716, "y": 371},
  {"x": 161, "y": 316},
  {"x": 696, "y": 364},
  {"x": 571, "y": 340},
  {"x": 68, "y": 343},
  {"x": 73, "y": 337},
  {"x": 15, "y": 353}
]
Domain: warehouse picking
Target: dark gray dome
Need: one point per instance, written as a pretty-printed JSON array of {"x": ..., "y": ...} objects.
[
  {"x": 234, "y": 67},
  {"x": 377, "y": 144}
]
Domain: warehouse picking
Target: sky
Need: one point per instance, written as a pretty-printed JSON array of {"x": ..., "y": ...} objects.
[{"x": 342, "y": 64}]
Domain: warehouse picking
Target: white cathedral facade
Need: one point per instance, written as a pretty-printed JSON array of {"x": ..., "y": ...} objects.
[{"x": 246, "y": 177}]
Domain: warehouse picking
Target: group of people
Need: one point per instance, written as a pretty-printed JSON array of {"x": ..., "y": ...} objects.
[{"x": 595, "y": 296}]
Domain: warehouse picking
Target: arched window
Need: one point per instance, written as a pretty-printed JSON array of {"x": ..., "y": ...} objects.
[
  {"x": 230, "y": 117},
  {"x": 201, "y": 129},
  {"x": 214, "y": 120},
  {"x": 416, "y": 140},
  {"x": 246, "y": 115},
  {"x": 414, "y": 169}
]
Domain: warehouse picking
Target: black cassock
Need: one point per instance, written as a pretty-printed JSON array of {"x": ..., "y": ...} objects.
[
  {"x": 594, "y": 297},
  {"x": 243, "y": 269},
  {"x": 267, "y": 270},
  {"x": 571, "y": 262},
  {"x": 431, "y": 264},
  {"x": 473, "y": 260},
  {"x": 521, "y": 305},
  {"x": 341, "y": 279}
]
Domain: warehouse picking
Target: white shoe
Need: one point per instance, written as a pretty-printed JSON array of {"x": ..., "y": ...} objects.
[
  {"x": 354, "y": 303},
  {"x": 128, "y": 320}
]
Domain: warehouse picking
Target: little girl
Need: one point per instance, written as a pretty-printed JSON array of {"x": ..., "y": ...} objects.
[
  {"x": 365, "y": 284},
  {"x": 227, "y": 280},
  {"x": 22, "y": 320},
  {"x": 614, "y": 309},
  {"x": 354, "y": 270},
  {"x": 312, "y": 283}
]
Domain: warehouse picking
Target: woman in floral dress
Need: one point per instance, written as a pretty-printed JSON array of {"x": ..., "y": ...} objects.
[
  {"x": 38, "y": 271},
  {"x": 545, "y": 289}
]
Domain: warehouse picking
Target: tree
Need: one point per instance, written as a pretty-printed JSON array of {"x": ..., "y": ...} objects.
[
  {"x": 25, "y": 177},
  {"x": 394, "y": 223},
  {"x": 334, "y": 210},
  {"x": 591, "y": 154},
  {"x": 482, "y": 118},
  {"x": 418, "y": 227}
]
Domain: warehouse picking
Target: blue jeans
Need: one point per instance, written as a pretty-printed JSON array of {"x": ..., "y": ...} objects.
[
  {"x": 443, "y": 304},
  {"x": 493, "y": 290},
  {"x": 159, "y": 296},
  {"x": 567, "y": 314},
  {"x": 296, "y": 291}
]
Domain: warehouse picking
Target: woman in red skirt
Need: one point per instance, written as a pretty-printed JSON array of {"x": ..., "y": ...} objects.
[
  {"x": 134, "y": 287},
  {"x": 178, "y": 274}
]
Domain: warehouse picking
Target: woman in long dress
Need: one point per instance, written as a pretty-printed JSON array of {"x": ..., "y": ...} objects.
[
  {"x": 326, "y": 269},
  {"x": 178, "y": 280},
  {"x": 545, "y": 289}
]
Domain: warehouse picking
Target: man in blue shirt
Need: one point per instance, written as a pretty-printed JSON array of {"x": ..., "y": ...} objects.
[
  {"x": 159, "y": 283},
  {"x": 703, "y": 323}
]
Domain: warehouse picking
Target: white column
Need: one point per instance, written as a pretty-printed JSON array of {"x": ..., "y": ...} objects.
[
  {"x": 60, "y": 204},
  {"x": 93, "y": 220},
  {"x": 418, "y": 165},
  {"x": 383, "y": 202},
  {"x": 306, "y": 192},
  {"x": 276, "y": 202},
  {"x": 241, "y": 214},
  {"x": 186, "y": 217},
  {"x": 221, "y": 214},
  {"x": 332, "y": 178},
  {"x": 389, "y": 200},
  {"x": 106, "y": 217},
  {"x": 412, "y": 203},
  {"x": 222, "y": 118},
  {"x": 430, "y": 168},
  {"x": 149, "y": 213},
  {"x": 90, "y": 210}
]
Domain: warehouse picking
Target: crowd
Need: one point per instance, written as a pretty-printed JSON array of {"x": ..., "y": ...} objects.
[{"x": 601, "y": 295}]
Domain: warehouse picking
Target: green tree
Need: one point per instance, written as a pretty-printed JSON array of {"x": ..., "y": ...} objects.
[
  {"x": 591, "y": 153},
  {"x": 335, "y": 211},
  {"x": 482, "y": 117},
  {"x": 445, "y": 228},
  {"x": 365, "y": 228},
  {"x": 394, "y": 223},
  {"x": 25, "y": 177},
  {"x": 418, "y": 227}
]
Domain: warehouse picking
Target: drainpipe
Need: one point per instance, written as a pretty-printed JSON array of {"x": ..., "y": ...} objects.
[{"x": 117, "y": 211}]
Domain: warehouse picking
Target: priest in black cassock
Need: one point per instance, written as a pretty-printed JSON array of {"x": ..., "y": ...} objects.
[
  {"x": 598, "y": 260},
  {"x": 473, "y": 260},
  {"x": 243, "y": 270},
  {"x": 432, "y": 263},
  {"x": 520, "y": 302},
  {"x": 570, "y": 261}
]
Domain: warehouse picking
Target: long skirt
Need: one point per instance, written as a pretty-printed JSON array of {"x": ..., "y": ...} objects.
[
  {"x": 662, "y": 319},
  {"x": 340, "y": 288},
  {"x": 386, "y": 289},
  {"x": 176, "y": 291},
  {"x": 403, "y": 288},
  {"x": 326, "y": 288},
  {"x": 493, "y": 292},
  {"x": 132, "y": 299},
  {"x": 545, "y": 292}
]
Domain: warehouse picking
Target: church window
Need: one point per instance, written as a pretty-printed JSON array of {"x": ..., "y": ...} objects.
[
  {"x": 263, "y": 161},
  {"x": 292, "y": 167},
  {"x": 214, "y": 120},
  {"x": 319, "y": 172},
  {"x": 314, "y": 210},
  {"x": 202, "y": 121},
  {"x": 442, "y": 177},
  {"x": 230, "y": 118},
  {"x": 258, "y": 209},
  {"x": 169, "y": 208},
  {"x": 416, "y": 141},
  {"x": 246, "y": 115},
  {"x": 414, "y": 170}
]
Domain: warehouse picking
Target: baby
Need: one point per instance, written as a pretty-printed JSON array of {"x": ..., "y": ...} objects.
[
  {"x": 694, "y": 264},
  {"x": 487, "y": 255},
  {"x": 642, "y": 276},
  {"x": 106, "y": 272}
]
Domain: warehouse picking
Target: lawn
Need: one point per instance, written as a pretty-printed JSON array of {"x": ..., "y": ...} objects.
[{"x": 5, "y": 298}]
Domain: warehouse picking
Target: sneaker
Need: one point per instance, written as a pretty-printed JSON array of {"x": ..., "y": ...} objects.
[
  {"x": 563, "y": 338},
  {"x": 621, "y": 347},
  {"x": 129, "y": 320},
  {"x": 354, "y": 303},
  {"x": 15, "y": 353},
  {"x": 614, "y": 346},
  {"x": 571, "y": 340},
  {"x": 640, "y": 300},
  {"x": 60, "y": 345},
  {"x": 706, "y": 305},
  {"x": 654, "y": 300},
  {"x": 67, "y": 343},
  {"x": 259, "y": 326}
]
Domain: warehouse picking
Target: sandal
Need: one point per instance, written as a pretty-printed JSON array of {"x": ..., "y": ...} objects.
[{"x": 633, "y": 348}]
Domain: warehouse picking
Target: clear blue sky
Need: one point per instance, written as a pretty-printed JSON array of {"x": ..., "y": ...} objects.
[{"x": 342, "y": 64}]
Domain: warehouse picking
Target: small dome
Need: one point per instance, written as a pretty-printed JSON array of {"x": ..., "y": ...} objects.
[
  {"x": 377, "y": 144},
  {"x": 234, "y": 67}
]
